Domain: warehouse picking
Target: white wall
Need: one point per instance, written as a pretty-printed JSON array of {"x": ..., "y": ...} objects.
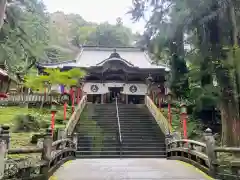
[{"x": 103, "y": 88}]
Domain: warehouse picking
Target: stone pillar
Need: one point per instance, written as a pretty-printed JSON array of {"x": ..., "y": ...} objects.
[
  {"x": 47, "y": 146},
  {"x": 3, "y": 150},
  {"x": 210, "y": 145},
  {"x": 75, "y": 139},
  {"x": 168, "y": 139},
  {"x": 46, "y": 153},
  {"x": 6, "y": 135},
  {"x": 126, "y": 99},
  {"x": 60, "y": 133}
]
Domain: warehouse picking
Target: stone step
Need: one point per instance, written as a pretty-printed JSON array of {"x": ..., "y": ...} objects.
[
  {"x": 118, "y": 156},
  {"x": 144, "y": 152},
  {"x": 123, "y": 152},
  {"x": 128, "y": 141},
  {"x": 125, "y": 144}
]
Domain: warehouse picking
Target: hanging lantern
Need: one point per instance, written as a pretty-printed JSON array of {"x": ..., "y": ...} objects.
[
  {"x": 183, "y": 113},
  {"x": 53, "y": 113}
]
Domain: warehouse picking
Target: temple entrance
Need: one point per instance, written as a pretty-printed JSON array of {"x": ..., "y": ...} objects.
[{"x": 114, "y": 92}]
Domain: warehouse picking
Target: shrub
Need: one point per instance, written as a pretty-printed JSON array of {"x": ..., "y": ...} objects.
[{"x": 25, "y": 123}]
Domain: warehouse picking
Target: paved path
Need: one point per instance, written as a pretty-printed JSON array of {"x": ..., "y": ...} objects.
[{"x": 127, "y": 169}]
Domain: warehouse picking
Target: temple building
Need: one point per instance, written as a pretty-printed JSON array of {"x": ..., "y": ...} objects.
[{"x": 115, "y": 72}]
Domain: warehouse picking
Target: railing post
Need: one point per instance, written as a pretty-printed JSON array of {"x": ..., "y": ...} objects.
[
  {"x": 75, "y": 139},
  {"x": 46, "y": 153},
  {"x": 6, "y": 135},
  {"x": 3, "y": 149},
  {"x": 47, "y": 146},
  {"x": 210, "y": 145},
  {"x": 60, "y": 133}
]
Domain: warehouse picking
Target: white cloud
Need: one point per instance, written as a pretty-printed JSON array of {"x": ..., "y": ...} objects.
[{"x": 97, "y": 10}]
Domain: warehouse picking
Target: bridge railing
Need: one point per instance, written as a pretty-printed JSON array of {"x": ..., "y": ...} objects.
[
  {"x": 75, "y": 116},
  {"x": 206, "y": 156},
  {"x": 52, "y": 155}
]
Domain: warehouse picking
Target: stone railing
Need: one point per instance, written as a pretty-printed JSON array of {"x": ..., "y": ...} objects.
[
  {"x": 159, "y": 117},
  {"x": 206, "y": 156},
  {"x": 18, "y": 98},
  {"x": 52, "y": 156},
  {"x": 75, "y": 117}
]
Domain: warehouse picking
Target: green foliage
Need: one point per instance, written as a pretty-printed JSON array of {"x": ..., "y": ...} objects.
[
  {"x": 25, "y": 123},
  {"x": 54, "y": 77},
  {"x": 23, "y": 35}
]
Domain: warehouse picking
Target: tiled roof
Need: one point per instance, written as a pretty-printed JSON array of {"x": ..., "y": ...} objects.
[
  {"x": 135, "y": 56},
  {"x": 97, "y": 56}
]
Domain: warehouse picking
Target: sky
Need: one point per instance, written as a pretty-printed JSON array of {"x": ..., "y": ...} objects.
[{"x": 97, "y": 10}]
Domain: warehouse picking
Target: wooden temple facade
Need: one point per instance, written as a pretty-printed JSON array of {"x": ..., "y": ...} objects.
[{"x": 116, "y": 72}]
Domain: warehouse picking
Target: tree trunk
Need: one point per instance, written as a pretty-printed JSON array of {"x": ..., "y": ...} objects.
[
  {"x": 230, "y": 125},
  {"x": 3, "y": 5}
]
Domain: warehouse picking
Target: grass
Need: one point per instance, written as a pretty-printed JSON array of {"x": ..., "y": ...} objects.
[{"x": 18, "y": 140}]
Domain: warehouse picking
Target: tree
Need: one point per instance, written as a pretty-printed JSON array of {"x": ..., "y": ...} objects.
[
  {"x": 23, "y": 35},
  {"x": 54, "y": 77},
  {"x": 215, "y": 49},
  {"x": 3, "y": 4}
]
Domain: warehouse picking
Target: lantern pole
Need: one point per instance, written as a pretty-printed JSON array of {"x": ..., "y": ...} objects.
[
  {"x": 159, "y": 98},
  {"x": 184, "y": 119},
  {"x": 45, "y": 90},
  {"x": 169, "y": 98},
  {"x": 72, "y": 97},
  {"x": 65, "y": 100},
  {"x": 53, "y": 113},
  {"x": 149, "y": 80}
]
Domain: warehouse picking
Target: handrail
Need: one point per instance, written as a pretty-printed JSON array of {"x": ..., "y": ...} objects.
[
  {"x": 75, "y": 117},
  {"x": 158, "y": 116},
  {"x": 119, "y": 128}
]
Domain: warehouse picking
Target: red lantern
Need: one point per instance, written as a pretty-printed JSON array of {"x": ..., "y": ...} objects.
[
  {"x": 183, "y": 114},
  {"x": 53, "y": 113}
]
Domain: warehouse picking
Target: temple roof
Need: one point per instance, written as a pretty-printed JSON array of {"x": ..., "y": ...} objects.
[{"x": 97, "y": 56}]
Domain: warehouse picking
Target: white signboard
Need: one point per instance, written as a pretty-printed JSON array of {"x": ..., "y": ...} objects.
[{"x": 102, "y": 88}]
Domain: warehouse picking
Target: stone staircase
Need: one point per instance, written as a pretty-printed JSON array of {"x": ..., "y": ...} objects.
[{"x": 98, "y": 133}]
